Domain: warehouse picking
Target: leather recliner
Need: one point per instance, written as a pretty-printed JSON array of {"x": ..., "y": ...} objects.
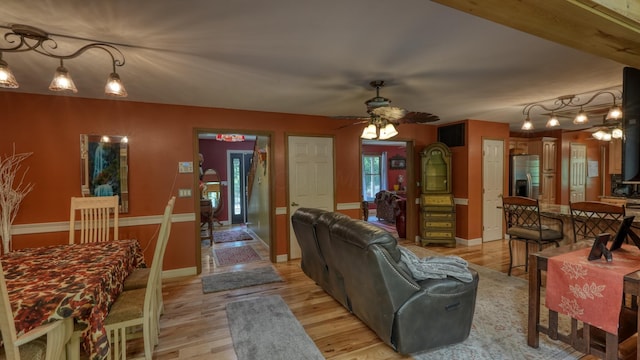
[{"x": 367, "y": 276}]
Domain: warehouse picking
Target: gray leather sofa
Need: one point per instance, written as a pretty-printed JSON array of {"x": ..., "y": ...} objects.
[{"x": 359, "y": 265}]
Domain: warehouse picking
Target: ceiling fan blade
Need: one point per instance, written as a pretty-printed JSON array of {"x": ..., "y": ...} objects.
[
  {"x": 417, "y": 117},
  {"x": 355, "y": 123},
  {"x": 348, "y": 117}
]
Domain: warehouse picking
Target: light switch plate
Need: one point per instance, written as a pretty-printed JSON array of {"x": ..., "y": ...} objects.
[
  {"x": 185, "y": 167},
  {"x": 184, "y": 192}
]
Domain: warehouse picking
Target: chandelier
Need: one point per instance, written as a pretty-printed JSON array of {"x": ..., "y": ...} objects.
[
  {"x": 22, "y": 38},
  {"x": 611, "y": 124}
]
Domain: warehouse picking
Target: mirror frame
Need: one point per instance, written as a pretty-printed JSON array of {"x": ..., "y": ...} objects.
[{"x": 115, "y": 172}]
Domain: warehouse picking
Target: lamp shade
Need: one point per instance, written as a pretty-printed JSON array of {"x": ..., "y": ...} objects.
[
  {"x": 62, "y": 81},
  {"x": 553, "y": 121},
  {"x": 615, "y": 113},
  {"x": 370, "y": 132},
  {"x": 527, "y": 125},
  {"x": 581, "y": 118},
  {"x": 388, "y": 132},
  {"x": 7, "y": 80},
  {"x": 114, "y": 86}
]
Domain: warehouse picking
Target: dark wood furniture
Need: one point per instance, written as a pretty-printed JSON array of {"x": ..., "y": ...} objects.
[
  {"x": 437, "y": 208},
  {"x": 524, "y": 223},
  {"x": 206, "y": 217},
  {"x": 580, "y": 339},
  {"x": 591, "y": 218}
]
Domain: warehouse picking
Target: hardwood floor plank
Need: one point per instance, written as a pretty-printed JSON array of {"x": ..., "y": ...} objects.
[{"x": 195, "y": 325}]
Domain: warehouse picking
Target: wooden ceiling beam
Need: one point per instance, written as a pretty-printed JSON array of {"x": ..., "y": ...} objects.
[{"x": 606, "y": 28}]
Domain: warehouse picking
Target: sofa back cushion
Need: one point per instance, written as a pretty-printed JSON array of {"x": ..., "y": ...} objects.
[
  {"x": 376, "y": 282},
  {"x": 336, "y": 286},
  {"x": 312, "y": 263}
]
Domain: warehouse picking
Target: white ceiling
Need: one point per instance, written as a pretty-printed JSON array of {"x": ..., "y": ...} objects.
[{"x": 307, "y": 57}]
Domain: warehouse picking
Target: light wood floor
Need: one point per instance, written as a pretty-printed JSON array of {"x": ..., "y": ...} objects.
[{"x": 194, "y": 325}]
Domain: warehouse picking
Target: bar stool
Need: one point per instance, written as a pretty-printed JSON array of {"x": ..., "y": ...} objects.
[
  {"x": 524, "y": 224},
  {"x": 591, "y": 218}
]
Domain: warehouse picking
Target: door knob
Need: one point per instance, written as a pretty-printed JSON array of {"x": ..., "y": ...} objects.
[{"x": 295, "y": 204}]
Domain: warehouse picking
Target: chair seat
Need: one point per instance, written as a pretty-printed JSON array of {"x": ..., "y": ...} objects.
[
  {"x": 129, "y": 305},
  {"x": 137, "y": 279},
  {"x": 35, "y": 349},
  {"x": 534, "y": 234}
]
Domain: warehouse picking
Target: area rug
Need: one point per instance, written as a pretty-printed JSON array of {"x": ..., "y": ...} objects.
[
  {"x": 223, "y": 236},
  {"x": 265, "y": 328},
  {"x": 499, "y": 329},
  {"x": 235, "y": 255},
  {"x": 239, "y": 279}
]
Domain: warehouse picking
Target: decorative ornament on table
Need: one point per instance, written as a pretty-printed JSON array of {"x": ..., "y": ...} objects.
[{"x": 12, "y": 191}]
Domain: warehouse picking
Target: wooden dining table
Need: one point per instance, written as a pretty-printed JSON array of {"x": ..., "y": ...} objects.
[{"x": 79, "y": 280}]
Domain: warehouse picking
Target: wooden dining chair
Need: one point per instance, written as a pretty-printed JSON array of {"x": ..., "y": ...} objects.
[
  {"x": 138, "y": 278},
  {"x": 524, "y": 224},
  {"x": 45, "y": 342},
  {"x": 139, "y": 307},
  {"x": 95, "y": 215},
  {"x": 591, "y": 218}
]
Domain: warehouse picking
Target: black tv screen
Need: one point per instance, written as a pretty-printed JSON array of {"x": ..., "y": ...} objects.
[
  {"x": 631, "y": 124},
  {"x": 451, "y": 135}
]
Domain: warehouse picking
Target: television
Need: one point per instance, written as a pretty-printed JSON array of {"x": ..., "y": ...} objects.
[
  {"x": 452, "y": 135},
  {"x": 631, "y": 125}
]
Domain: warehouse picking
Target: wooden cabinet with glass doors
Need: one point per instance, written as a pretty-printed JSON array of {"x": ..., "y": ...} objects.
[{"x": 437, "y": 210}]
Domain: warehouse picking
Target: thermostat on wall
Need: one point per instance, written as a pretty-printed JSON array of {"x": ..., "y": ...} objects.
[{"x": 185, "y": 167}]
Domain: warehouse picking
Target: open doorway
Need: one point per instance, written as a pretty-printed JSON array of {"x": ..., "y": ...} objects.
[
  {"x": 241, "y": 164},
  {"x": 384, "y": 184}
]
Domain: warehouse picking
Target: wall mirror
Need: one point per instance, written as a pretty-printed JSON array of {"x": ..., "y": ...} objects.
[{"x": 104, "y": 163}]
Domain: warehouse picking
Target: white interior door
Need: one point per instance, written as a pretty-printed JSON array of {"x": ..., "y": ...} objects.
[
  {"x": 578, "y": 172},
  {"x": 492, "y": 189},
  {"x": 310, "y": 178}
]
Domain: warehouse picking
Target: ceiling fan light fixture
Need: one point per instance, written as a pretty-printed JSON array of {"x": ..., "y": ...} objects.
[
  {"x": 617, "y": 133},
  {"x": 62, "y": 80},
  {"x": 370, "y": 132},
  {"x": 7, "y": 80},
  {"x": 598, "y": 135},
  {"x": 388, "y": 132}
]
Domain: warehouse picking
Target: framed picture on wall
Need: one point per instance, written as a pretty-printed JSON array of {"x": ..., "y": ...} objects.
[{"x": 397, "y": 163}]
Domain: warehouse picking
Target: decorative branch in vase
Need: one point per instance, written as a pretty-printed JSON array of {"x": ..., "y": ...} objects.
[{"x": 12, "y": 191}]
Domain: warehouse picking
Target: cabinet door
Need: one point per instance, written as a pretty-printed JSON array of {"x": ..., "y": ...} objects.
[
  {"x": 549, "y": 153},
  {"x": 615, "y": 156},
  {"x": 549, "y": 188}
]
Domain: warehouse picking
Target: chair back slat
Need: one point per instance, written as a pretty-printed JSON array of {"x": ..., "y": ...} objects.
[
  {"x": 591, "y": 218},
  {"x": 98, "y": 217}
]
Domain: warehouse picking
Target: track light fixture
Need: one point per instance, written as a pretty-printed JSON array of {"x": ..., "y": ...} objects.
[
  {"x": 23, "y": 38},
  {"x": 613, "y": 116}
]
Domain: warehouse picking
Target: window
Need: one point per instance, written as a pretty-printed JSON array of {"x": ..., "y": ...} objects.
[{"x": 373, "y": 175}]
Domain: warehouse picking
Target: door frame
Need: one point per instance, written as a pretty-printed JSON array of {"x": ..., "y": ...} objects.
[{"x": 196, "y": 185}]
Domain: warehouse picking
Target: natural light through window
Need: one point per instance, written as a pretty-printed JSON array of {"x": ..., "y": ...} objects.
[{"x": 371, "y": 176}]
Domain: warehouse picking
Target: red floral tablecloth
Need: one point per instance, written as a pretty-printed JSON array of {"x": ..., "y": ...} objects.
[
  {"x": 590, "y": 291},
  {"x": 79, "y": 281}
]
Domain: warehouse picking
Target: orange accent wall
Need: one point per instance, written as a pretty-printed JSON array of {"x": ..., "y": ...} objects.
[
  {"x": 466, "y": 165},
  {"x": 161, "y": 136}
]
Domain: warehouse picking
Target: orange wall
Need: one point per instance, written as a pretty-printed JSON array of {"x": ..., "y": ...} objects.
[{"x": 160, "y": 136}]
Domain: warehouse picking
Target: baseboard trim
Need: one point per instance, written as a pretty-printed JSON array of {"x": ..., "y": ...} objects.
[
  {"x": 282, "y": 258},
  {"x": 188, "y": 271}
]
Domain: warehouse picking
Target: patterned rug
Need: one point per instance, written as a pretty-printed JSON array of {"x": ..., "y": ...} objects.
[
  {"x": 499, "y": 330},
  {"x": 223, "y": 236},
  {"x": 235, "y": 255}
]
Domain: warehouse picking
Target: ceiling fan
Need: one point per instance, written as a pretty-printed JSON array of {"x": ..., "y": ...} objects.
[{"x": 379, "y": 109}]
